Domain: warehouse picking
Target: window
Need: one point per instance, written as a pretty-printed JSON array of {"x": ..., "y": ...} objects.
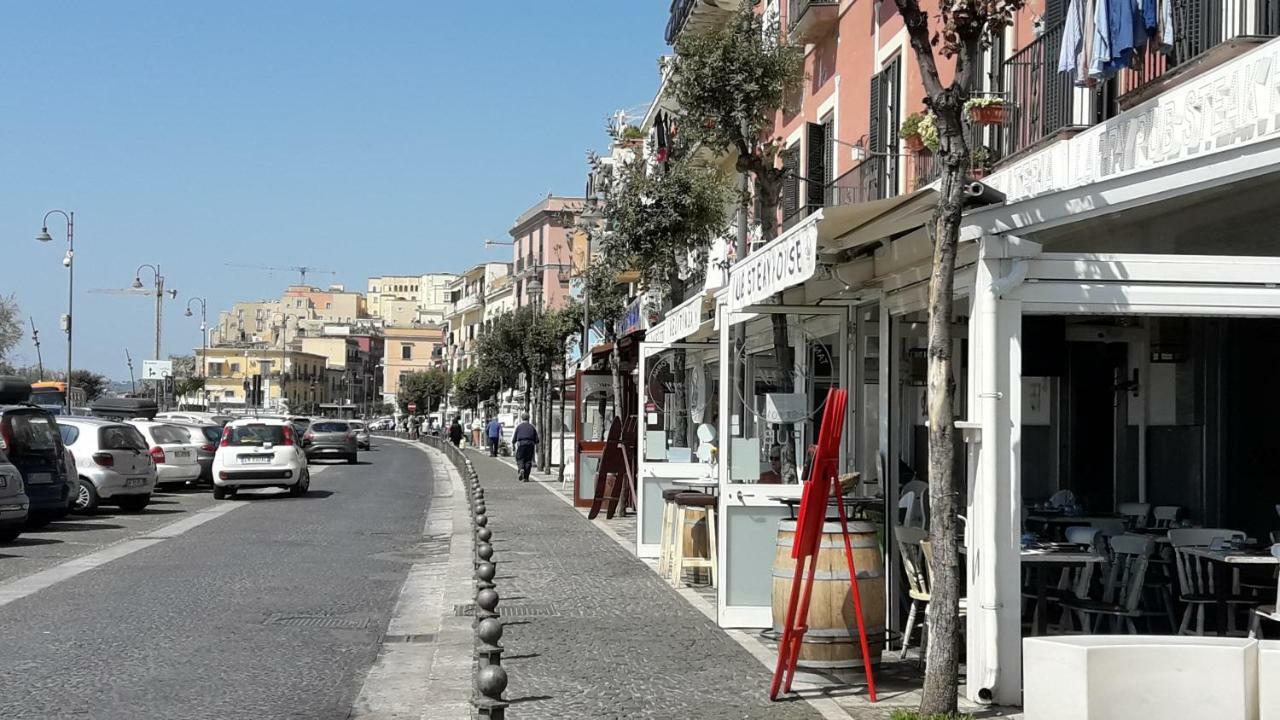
[
  {"x": 406, "y": 351},
  {"x": 791, "y": 182},
  {"x": 235, "y": 367},
  {"x": 121, "y": 437},
  {"x": 883, "y": 136},
  {"x": 818, "y": 174},
  {"x": 169, "y": 435},
  {"x": 70, "y": 434},
  {"x": 328, "y": 306},
  {"x": 215, "y": 369},
  {"x": 255, "y": 434}
]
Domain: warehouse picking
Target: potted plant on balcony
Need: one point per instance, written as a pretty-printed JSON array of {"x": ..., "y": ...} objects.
[
  {"x": 910, "y": 132},
  {"x": 987, "y": 110},
  {"x": 981, "y": 159}
]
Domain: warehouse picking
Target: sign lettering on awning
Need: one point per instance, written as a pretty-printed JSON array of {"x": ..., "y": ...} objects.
[
  {"x": 785, "y": 262},
  {"x": 680, "y": 323}
]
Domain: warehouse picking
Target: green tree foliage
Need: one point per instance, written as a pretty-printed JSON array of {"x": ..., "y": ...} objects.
[
  {"x": 11, "y": 328},
  {"x": 730, "y": 84},
  {"x": 426, "y": 388},
  {"x": 186, "y": 386},
  {"x": 475, "y": 386},
  {"x": 92, "y": 383}
]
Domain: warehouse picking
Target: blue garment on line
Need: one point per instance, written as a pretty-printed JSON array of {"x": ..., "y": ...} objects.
[{"x": 1072, "y": 37}]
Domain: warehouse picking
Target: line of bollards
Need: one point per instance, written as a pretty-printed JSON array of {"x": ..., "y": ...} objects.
[{"x": 490, "y": 676}]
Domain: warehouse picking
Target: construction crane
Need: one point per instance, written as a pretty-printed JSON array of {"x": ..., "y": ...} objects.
[
  {"x": 302, "y": 270},
  {"x": 121, "y": 291}
]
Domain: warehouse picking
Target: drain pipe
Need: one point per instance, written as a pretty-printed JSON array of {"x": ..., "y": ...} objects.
[{"x": 990, "y": 398}]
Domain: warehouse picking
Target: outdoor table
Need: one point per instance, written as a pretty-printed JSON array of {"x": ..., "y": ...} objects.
[
  {"x": 699, "y": 484},
  {"x": 1059, "y": 523},
  {"x": 1223, "y": 561},
  {"x": 855, "y": 505},
  {"x": 1046, "y": 560}
]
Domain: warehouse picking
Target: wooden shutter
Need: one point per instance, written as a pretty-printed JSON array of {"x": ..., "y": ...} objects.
[
  {"x": 874, "y": 136},
  {"x": 816, "y": 175},
  {"x": 791, "y": 185}
]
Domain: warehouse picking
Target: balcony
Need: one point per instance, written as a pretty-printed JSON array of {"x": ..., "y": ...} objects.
[
  {"x": 808, "y": 21},
  {"x": 1045, "y": 103},
  {"x": 698, "y": 16}
]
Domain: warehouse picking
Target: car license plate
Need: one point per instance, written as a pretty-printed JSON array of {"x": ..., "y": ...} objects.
[
  {"x": 255, "y": 459},
  {"x": 135, "y": 482},
  {"x": 181, "y": 454},
  {"x": 39, "y": 479}
]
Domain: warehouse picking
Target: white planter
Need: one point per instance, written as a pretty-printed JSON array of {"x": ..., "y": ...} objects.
[
  {"x": 1109, "y": 677},
  {"x": 1269, "y": 679}
]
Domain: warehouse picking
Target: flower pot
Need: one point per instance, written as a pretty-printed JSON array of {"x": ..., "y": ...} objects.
[
  {"x": 915, "y": 143},
  {"x": 977, "y": 173},
  {"x": 989, "y": 114}
]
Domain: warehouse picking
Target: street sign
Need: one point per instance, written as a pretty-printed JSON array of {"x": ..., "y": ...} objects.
[
  {"x": 413, "y": 407},
  {"x": 157, "y": 369}
]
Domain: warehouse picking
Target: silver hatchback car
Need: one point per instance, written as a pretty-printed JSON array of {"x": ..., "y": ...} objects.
[
  {"x": 113, "y": 463},
  {"x": 13, "y": 501},
  {"x": 330, "y": 439}
]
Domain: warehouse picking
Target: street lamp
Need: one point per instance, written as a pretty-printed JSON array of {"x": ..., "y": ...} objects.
[
  {"x": 68, "y": 261},
  {"x": 204, "y": 336},
  {"x": 488, "y": 243},
  {"x": 158, "y": 280}
]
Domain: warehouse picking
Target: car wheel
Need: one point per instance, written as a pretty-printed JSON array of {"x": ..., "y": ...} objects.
[
  {"x": 219, "y": 492},
  {"x": 9, "y": 535},
  {"x": 86, "y": 497},
  {"x": 135, "y": 503},
  {"x": 300, "y": 488}
]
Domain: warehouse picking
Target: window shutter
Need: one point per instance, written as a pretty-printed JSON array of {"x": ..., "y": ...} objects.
[
  {"x": 816, "y": 176},
  {"x": 791, "y": 183},
  {"x": 874, "y": 136}
]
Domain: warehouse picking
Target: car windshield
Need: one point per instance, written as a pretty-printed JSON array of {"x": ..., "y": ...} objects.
[
  {"x": 121, "y": 437},
  {"x": 329, "y": 427},
  {"x": 70, "y": 434},
  {"x": 169, "y": 435},
  {"x": 31, "y": 433},
  {"x": 256, "y": 434}
]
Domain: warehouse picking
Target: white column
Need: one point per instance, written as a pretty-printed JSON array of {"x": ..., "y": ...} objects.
[{"x": 994, "y": 513}]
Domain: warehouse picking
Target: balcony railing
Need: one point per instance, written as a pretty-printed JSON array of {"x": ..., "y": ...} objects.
[
  {"x": 697, "y": 14},
  {"x": 1044, "y": 102},
  {"x": 872, "y": 179},
  {"x": 810, "y": 20}
]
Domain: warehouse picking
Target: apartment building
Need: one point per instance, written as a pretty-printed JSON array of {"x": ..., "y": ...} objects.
[
  {"x": 331, "y": 305},
  {"x": 410, "y": 299},
  {"x": 291, "y": 381},
  {"x": 408, "y": 350},
  {"x": 543, "y": 251},
  {"x": 465, "y": 321}
]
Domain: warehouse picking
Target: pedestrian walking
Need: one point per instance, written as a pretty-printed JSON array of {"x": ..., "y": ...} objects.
[
  {"x": 477, "y": 432},
  {"x": 455, "y": 432},
  {"x": 415, "y": 426},
  {"x": 525, "y": 440},
  {"x": 494, "y": 431}
]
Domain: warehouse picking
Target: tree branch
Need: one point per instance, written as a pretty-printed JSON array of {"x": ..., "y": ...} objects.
[{"x": 917, "y": 23}]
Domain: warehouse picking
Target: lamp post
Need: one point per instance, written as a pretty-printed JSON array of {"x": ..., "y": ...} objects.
[
  {"x": 159, "y": 288},
  {"x": 284, "y": 354},
  {"x": 204, "y": 338},
  {"x": 68, "y": 261}
]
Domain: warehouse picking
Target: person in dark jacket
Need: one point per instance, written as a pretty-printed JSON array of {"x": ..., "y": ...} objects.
[
  {"x": 525, "y": 441},
  {"x": 455, "y": 432}
]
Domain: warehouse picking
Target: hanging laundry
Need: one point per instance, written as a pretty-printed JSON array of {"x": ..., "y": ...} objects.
[
  {"x": 663, "y": 141},
  {"x": 1077, "y": 38},
  {"x": 1102, "y": 37},
  {"x": 1165, "y": 22}
]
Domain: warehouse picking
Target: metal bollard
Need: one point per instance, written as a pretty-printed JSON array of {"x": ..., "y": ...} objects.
[
  {"x": 489, "y": 632},
  {"x": 491, "y": 682},
  {"x": 484, "y": 534},
  {"x": 481, "y": 519},
  {"x": 485, "y": 572},
  {"x": 486, "y": 605}
]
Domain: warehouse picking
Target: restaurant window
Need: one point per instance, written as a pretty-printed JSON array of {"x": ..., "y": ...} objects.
[{"x": 682, "y": 404}]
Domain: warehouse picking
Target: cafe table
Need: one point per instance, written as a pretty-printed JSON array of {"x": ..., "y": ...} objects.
[
  {"x": 1225, "y": 561},
  {"x": 1047, "y": 560}
]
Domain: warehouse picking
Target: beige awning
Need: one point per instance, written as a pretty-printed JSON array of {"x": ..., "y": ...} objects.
[{"x": 845, "y": 227}]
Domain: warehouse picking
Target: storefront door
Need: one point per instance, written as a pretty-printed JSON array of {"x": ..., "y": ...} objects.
[
  {"x": 595, "y": 409},
  {"x": 774, "y": 360}
]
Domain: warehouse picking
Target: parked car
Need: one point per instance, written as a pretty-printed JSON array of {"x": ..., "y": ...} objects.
[
  {"x": 113, "y": 463},
  {"x": 330, "y": 439},
  {"x": 256, "y": 452},
  {"x": 205, "y": 436},
  {"x": 172, "y": 451},
  {"x": 14, "y": 504},
  {"x": 191, "y": 416},
  {"x": 362, "y": 434},
  {"x": 29, "y": 437}
]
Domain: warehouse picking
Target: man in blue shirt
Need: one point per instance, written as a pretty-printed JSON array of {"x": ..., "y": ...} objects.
[
  {"x": 494, "y": 432},
  {"x": 525, "y": 441}
]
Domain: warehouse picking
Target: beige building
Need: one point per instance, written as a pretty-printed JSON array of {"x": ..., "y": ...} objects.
[
  {"x": 466, "y": 318},
  {"x": 227, "y": 369},
  {"x": 408, "y": 350},
  {"x": 390, "y": 297},
  {"x": 332, "y": 305}
]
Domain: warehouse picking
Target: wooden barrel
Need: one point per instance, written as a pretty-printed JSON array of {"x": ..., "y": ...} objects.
[{"x": 832, "y": 638}]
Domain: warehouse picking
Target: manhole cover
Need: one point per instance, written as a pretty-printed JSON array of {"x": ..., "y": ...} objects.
[
  {"x": 512, "y": 611},
  {"x": 318, "y": 621}
]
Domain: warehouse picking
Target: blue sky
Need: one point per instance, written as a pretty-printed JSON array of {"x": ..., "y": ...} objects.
[{"x": 362, "y": 137}]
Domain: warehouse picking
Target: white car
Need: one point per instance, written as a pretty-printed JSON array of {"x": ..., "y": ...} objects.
[
  {"x": 113, "y": 464},
  {"x": 176, "y": 457},
  {"x": 193, "y": 417},
  {"x": 13, "y": 501},
  {"x": 259, "y": 452}
]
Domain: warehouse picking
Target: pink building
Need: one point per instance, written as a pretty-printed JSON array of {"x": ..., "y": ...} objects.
[{"x": 543, "y": 249}]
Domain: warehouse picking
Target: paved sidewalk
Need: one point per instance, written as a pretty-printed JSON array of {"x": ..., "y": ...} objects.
[{"x": 592, "y": 632}]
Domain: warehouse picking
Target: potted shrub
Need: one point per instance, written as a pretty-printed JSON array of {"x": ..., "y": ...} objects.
[
  {"x": 633, "y": 136},
  {"x": 981, "y": 159},
  {"x": 910, "y": 132},
  {"x": 929, "y": 133},
  {"x": 988, "y": 110}
]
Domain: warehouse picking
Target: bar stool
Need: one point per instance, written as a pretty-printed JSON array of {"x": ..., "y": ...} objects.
[
  {"x": 685, "y": 503},
  {"x": 667, "y": 541}
]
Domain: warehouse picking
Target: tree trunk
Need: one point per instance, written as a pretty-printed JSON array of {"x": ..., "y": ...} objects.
[{"x": 942, "y": 665}]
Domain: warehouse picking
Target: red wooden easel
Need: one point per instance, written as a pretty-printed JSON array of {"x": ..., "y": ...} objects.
[{"x": 813, "y": 512}]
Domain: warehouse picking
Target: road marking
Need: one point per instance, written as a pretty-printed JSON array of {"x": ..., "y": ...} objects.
[{"x": 34, "y": 583}]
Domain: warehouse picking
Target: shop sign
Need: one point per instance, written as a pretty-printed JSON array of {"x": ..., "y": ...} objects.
[
  {"x": 785, "y": 262},
  {"x": 1234, "y": 105},
  {"x": 632, "y": 321},
  {"x": 680, "y": 323}
]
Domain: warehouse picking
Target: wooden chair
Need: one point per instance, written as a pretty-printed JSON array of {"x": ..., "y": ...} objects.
[
  {"x": 916, "y": 555},
  {"x": 1165, "y": 516},
  {"x": 694, "y": 502},
  {"x": 1196, "y": 578},
  {"x": 1135, "y": 514},
  {"x": 1122, "y": 589}
]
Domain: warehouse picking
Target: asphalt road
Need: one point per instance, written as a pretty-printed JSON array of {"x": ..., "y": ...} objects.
[{"x": 273, "y": 609}]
